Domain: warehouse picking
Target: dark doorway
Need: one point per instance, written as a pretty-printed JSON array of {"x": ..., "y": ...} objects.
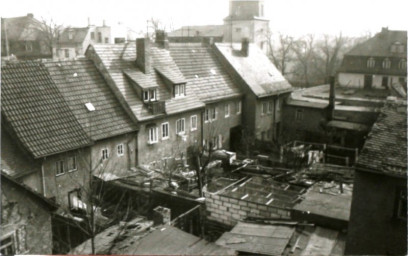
[
  {"x": 368, "y": 81},
  {"x": 235, "y": 138}
]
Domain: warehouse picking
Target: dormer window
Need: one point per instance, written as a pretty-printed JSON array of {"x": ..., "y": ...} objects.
[
  {"x": 402, "y": 64},
  {"x": 371, "y": 63},
  {"x": 179, "y": 90},
  {"x": 397, "y": 47},
  {"x": 386, "y": 63},
  {"x": 149, "y": 95}
]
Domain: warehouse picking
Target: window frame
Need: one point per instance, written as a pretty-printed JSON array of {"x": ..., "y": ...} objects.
[
  {"x": 238, "y": 107},
  {"x": 166, "y": 124},
  {"x": 299, "y": 115},
  {"x": 120, "y": 150},
  {"x": 179, "y": 90},
  {"x": 402, "y": 64},
  {"x": 153, "y": 131},
  {"x": 193, "y": 127},
  {"x": 207, "y": 115},
  {"x": 214, "y": 114},
  {"x": 12, "y": 243},
  {"x": 371, "y": 62},
  {"x": 386, "y": 64},
  {"x": 75, "y": 164},
  {"x": 58, "y": 164},
  {"x": 183, "y": 122},
  {"x": 105, "y": 156},
  {"x": 226, "y": 110}
]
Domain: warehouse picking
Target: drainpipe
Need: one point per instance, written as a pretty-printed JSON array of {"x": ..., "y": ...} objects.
[
  {"x": 274, "y": 118},
  {"x": 43, "y": 178}
]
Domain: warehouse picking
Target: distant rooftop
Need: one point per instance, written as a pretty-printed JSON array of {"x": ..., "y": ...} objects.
[{"x": 194, "y": 31}]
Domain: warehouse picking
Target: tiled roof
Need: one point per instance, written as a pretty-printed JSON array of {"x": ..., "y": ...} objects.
[
  {"x": 80, "y": 82},
  {"x": 385, "y": 150},
  {"x": 118, "y": 58},
  {"x": 191, "y": 31},
  {"x": 380, "y": 44},
  {"x": 204, "y": 72},
  {"x": 13, "y": 160},
  {"x": 21, "y": 28},
  {"x": 78, "y": 35},
  {"x": 37, "y": 112},
  {"x": 258, "y": 72},
  {"x": 142, "y": 80}
]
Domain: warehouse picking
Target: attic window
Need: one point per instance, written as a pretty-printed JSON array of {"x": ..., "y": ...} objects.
[
  {"x": 149, "y": 95},
  {"x": 179, "y": 90},
  {"x": 213, "y": 71},
  {"x": 397, "y": 47}
]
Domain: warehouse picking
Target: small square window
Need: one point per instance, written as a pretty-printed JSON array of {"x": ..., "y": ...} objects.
[
  {"x": 59, "y": 166},
  {"x": 105, "y": 154},
  {"x": 120, "y": 150},
  {"x": 193, "y": 123},
  {"x": 165, "y": 131},
  {"x": 72, "y": 163}
]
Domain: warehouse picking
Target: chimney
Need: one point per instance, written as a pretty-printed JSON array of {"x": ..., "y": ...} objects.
[
  {"x": 143, "y": 54},
  {"x": 384, "y": 29},
  {"x": 30, "y": 15},
  {"x": 332, "y": 97},
  {"x": 245, "y": 47},
  {"x": 161, "y": 39}
]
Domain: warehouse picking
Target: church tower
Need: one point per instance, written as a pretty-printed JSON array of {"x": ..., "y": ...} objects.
[{"x": 246, "y": 19}]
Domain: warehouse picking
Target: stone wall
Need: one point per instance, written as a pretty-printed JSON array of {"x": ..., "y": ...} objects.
[{"x": 229, "y": 210}]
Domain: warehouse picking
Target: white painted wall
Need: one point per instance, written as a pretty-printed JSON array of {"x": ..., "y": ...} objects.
[{"x": 353, "y": 80}]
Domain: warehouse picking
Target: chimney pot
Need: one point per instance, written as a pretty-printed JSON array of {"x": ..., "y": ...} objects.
[
  {"x": 245, "y": 47},
  {"x": 161, "y": 39}
]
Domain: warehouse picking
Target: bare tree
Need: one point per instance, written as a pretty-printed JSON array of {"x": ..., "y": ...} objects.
[
  {"x": 50, "y": 32},
  {"x": 304, "y": 49},
  {"x": 331, "y": 49},
  {"x": 281, "y": 53}
]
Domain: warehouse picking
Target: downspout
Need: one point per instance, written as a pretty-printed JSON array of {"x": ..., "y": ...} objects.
[
  {"x": 274, "y": 118},
  {"x": 43, "y": 178},
  {"x": 202, "y": 127}
]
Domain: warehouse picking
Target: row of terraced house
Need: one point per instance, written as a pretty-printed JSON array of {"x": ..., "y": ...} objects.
[{"x": 126, "y": 105}]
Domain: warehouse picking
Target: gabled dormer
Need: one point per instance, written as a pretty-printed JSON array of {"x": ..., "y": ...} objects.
[{"x": 175, "y": 81}]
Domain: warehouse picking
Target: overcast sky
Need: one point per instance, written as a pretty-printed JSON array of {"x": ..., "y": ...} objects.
[{"x": 293, "y": 17}]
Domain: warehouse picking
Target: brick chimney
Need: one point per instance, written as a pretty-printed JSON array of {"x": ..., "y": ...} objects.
[
  {"x": 245, "y": 47},
  {"x": 143, "y": 58},
  {"x": 161, "y": 39},
  {"x": 332, "y": 98}
]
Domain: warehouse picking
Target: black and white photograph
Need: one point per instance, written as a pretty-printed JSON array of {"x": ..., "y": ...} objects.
[{"x": 203, "y": 127}]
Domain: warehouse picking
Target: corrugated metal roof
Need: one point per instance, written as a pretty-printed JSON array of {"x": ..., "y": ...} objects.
[
  {"x": 80, "y": 82},
  {"x": 258, "y": 72},
  {"x": 37, "y": 112}
]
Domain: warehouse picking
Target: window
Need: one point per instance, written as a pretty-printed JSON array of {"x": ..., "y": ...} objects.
[
  {"x": 145, "y": 95},
  {"x": 92, "y": 35},
  {"x": 371, "y": 63},
  {"x": 402, "y": 64},
  {"x": 66, "y": 51},
  {"x": 214, "y": 114},
  {"x": 7, "y": 245},
  {"x": 152, "y": 95},
  {"x": 397, "y": 47},
  {"x": 99, "y": 37},
  {"x": 214, "y": 142},
  {"x": 264, "y": 108},
  {"x": 180, "y": 125},
  {"x": 105, "y": 154},
  {"x": 165, "y": 131},
  {"x": 238, "y": 30},
  {"x": 29, "y": 46},
  {"x": 384, "y": 82},
  {"x": 386, "y": 63},
  {"x": 120, "y": 149},
  {"x": 152, "y": 135},
  {"x": 70, "y": 35},
  {"x": 238, "y": 107},
  {"x": 149, "y": 95},
  {"x": 270, "y": 106},
  {"x": 227, "y": 110},
  {"x": 72, "y": 163},
  {"x": 193, "y": 123},
  {"x": 179, "y": 90},
  {"x": 106, "y": 40},
  {"x": 75, "y": 200},
  {"x": 219, "y": 141},
  {"x": 59, "y": 167},
  {"x": 277, "y": 105},
  {"x": 401, "y": 207},
  {"x": 299, "y": 114},
  {"x": 269, "y": 134},
  {"x": 207, "y": 115}
]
